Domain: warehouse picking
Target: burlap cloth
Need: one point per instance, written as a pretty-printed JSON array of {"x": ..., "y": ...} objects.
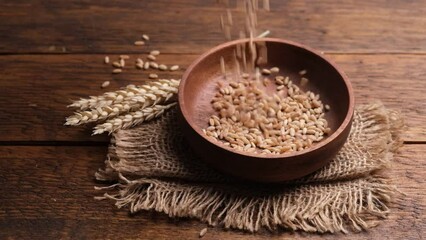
[{"x": 155, "y": 170}]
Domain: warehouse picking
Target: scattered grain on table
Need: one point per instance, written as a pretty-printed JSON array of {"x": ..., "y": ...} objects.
[
  {"x": 203, "y": 232},
  {"x": 105, "y": 84}
]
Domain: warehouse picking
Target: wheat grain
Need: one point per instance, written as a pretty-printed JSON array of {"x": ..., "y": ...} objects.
[
  {"x": 124, "y": 57},
  {"x": 153, "y": 76},
  {"x": 153, "y": 65},
  {"x": 131, "y": 119},
  {"x": 105, "y": 84},
  {"x": 279, "y": 80},
  {"x": 303, "y": 72},
  {"x": 174, "y": 67},
  {"x": 117, "y": 70},
  {"x": 139, "y": 43},
  {"x": 146, "y": 65},
  {"x": 274, "y": 70},
  {"x": 266, "y": 71},
  {"x": 151, "y": 57},
  {"x": 145, "y": 37},
  {"x": 139, "y": 63},
  {"x": 106, "y": 60},
  {"x": 303, "y": 81},
  {"x": 264, "y": 34},
  {"x": 162, "y": 67},
  {"x": 203, "y": 232},
  {"x": 222, "y": 66},
  {"x": 265, "y": 82},
  {"x": 116, "y": 64},
  {"x": 155, "y": 52},
  {"x": 257, "y": 74}
]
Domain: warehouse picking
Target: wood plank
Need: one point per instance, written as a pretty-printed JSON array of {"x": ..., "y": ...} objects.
[
  {"x": 396, "y": 80},
  {"x": 75, "y": 26},
  {"x": 47, "y": 192},
  {"x": 35, "y": 89}
]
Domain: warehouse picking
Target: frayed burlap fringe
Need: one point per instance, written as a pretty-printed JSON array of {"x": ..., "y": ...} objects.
[{"x": 155, "y": 170}]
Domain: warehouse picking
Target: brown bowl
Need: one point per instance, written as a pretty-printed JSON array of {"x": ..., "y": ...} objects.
[{"x": 199, "y": 84}]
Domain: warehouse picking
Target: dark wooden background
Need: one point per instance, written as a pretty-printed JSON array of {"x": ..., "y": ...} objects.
[{"x": 52, "y": 52}]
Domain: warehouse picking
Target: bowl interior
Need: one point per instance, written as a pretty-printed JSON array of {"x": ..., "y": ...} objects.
[{"x": 201, "y": 79}]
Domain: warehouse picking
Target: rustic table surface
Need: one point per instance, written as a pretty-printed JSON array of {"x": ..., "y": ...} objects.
[{"x": 52, "y": 52}]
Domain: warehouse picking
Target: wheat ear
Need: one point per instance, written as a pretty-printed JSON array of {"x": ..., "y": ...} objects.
[
  {"x": 126, "y": 94},
  {"x": 147, "y": 95},
  {"x": 131, "y": 119}
]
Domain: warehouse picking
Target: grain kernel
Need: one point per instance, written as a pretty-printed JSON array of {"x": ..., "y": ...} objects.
[
  {"x": 154, "y": 53},
  {"x": 162, "y": 67},
  {"x": 105, "y": 84},
  {"x": 203, "y": 232},
  {"x": 146, "y": 65},
  {"x": 116, "y": 64},
  {"x": 153, "y": 76},
  {"x": 146, "y": 37},
  {"x": 153, "y": 65},
  {"x": 303, "y": 81},
  {"x": 174, "y": 67},
  {"x": 266, "y": 71},
  {"x": 274, "y": 70},
  {"x": 303, "y": 72},
  {"x": 139, "y": 43}
]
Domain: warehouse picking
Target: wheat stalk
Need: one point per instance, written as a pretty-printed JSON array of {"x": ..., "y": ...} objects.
[
  {"x": 131, "y": 119},
  {"x": 146, "y": 96},
  {"x": 126, "y": 94}
]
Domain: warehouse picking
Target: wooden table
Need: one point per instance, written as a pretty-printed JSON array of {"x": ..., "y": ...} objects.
[{"x": 52, "y": 52}]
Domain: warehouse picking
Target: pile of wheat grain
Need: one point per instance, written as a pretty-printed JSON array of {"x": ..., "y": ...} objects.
[{"x": 249, "y": 119}]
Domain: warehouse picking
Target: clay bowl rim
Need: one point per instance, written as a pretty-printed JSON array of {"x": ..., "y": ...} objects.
[{"x": 323, "y": 143}]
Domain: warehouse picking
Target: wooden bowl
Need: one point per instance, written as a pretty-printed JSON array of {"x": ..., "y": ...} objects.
[{"x": 199, "y": 84}]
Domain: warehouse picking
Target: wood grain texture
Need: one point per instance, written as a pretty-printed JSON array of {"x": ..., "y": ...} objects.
[
  {"x": 52, "y": 51},
  {"x": 189, "y": 26},
  {"x": 35, "y": 89},
  {"x": 47, "y": 193}
]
